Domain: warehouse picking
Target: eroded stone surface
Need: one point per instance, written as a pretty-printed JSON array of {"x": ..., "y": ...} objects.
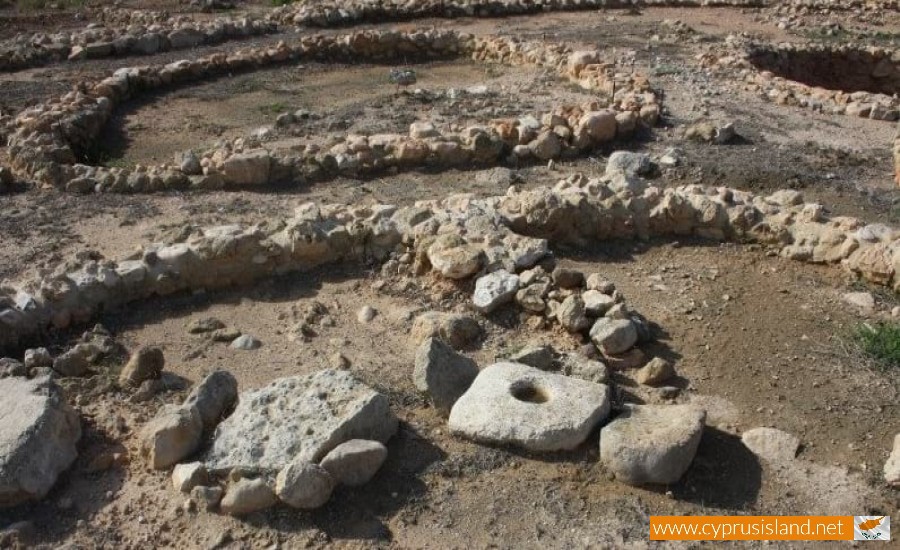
[
  {"x": 771, "y": 444},
  {"x": 649, "y": 444},
  {"x": 299, "y": 418},
  {"x": 38, "y": 433},
  {"x": 442, "y": 373},
  {"x": 495, "y": 289},
  {"x": 515, "y": 404}
]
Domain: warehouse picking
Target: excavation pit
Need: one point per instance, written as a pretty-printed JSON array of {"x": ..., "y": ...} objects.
[{"x": 845, "y": 70}]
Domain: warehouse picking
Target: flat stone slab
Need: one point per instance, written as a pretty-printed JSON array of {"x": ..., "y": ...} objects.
[
  {"x": 38, "y": 433},
  {"x": 651, "y": 444},
  {"x": 300, "y": 418},
  {"x": 514, "y": 404},
  {"x": 771, "y": 444}
]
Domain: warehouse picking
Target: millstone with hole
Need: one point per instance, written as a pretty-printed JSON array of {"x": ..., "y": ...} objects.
[{"x": 514, "y": 404}]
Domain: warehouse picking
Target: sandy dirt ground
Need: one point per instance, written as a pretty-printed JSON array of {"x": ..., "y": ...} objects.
[{"x": 757, "y": 340}]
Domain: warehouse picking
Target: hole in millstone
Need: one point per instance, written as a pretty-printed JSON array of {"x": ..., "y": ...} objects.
[
  {"x": 845, "y": 70},
  {"x": 527, "y": 391}
]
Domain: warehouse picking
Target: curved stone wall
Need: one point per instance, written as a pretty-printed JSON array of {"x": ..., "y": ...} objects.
[
  {"x": 818, "y": 76},
  {"x": 123, "y": 32},
  {"x": 46, "y": 142},
  {"x": 459, "y": 236}
]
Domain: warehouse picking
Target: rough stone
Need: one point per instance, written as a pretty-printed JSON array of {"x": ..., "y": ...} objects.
[
  {"x": 585, "y": 368},
  {"x": 459, "y": 331},
  {"x": 531, "y": 298},
  {"x": 454, "y": 259},
  {"x": 366, "y": 314},
  {"x": 145, "y": 364},
  {"x": 651, "y": 444},
  {"x": 187, "y": 476},
  {"x": 214, "y": 396},
  {"x": 546, "y": 146},
  {"x": 171, "y": 436},
  {"x": 76, "y": 361},
  {"x": 188, "y": 163},
  {"x": 206, "y": 324},
  {"x": 892, "y": 466},
  {"x": 12, "y": 367},
  {"x": 38, "y": 434},
  {"x": 300, "y": 417},
  {"x": 355, "y": 462},
  {"x": 207, "y": 498},
  {"x": 596, "y": 281},
  {"x": 629, "y": 164},
  {"x": 656, "y": 372},
  {"x": 245, "y": 342},
  {"x": 304, "y": 485},
  {"x": 515, "y": 404},
  {"x": 600, "y": 125},
  {"x": 246, "y": 496},
  {"x": 771, "y": 444},
  {"x": 37, "y": 358},
  {"x": 251, "y": 168},
  {"x": 539, "y": 357},
  {"x": 442, "y": 374},
  {"x": 571, "y": 314},
  {"x": 185, "y": 38},
  {"x": 614, "y": 336},
  {"x": 494, "y": 289},
  {"x": 566, "y": 277}
]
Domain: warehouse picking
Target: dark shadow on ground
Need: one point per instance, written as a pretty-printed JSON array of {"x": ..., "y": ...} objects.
[{"x": 724, "y": 474}]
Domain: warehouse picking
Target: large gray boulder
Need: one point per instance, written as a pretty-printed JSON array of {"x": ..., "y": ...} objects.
[
  {"x": 300, "y": 418},
  {"x": 38, "y": 433},
  {"x": 442, "y": 374},
  {"x": 649, "y": 444},
  {"x": 515, "y": 404}
]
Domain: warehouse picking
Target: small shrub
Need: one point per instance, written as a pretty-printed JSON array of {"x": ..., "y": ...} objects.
[{"x": 880, "y": 341}]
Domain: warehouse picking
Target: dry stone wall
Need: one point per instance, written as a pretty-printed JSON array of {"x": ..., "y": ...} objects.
[
  {"x": 46, "y": 142},
  {"x": 120, "y": 32},
  {"x": 860, "y": 82},
  {"x": 459, "y": 236}
]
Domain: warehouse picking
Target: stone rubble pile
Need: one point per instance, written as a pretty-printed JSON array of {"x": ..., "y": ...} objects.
[{"x": 46, "y": 141}]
